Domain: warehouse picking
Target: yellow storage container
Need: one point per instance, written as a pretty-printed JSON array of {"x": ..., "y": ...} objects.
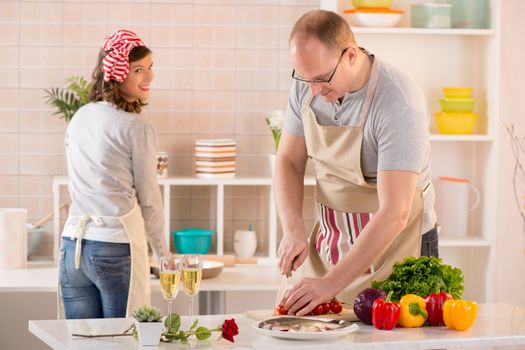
[
  {"x": 457, "y": 92},
  {"x": 456, "y": 123}
]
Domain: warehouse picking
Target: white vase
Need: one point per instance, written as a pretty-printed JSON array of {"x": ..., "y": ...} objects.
[
  {"x": 244, "y": 243},
  {"x": 271, "y": 159},
  {"x": 149, "y": 332}
]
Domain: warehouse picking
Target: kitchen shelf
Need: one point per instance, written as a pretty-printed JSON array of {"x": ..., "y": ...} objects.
[
  {"x": 461, "y": 138},
  {"x": 423, "y": 31}
]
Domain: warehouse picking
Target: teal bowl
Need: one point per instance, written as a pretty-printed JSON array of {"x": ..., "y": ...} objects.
[{"x": 192, "y": 240}]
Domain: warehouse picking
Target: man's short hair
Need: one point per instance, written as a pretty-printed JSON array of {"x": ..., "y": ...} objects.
[{"x": 328, "y": 27}]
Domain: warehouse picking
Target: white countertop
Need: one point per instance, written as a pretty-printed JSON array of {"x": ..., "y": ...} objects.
[
  {"x": 44, "y": 277},
  {"x": 497, "y": 324}
]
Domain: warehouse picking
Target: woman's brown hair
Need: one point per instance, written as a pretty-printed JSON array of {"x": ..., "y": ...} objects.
[{"x": 110, "y": 90}]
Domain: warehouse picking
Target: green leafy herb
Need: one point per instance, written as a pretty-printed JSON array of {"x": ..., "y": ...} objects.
[{"x": 422, "y": 276}]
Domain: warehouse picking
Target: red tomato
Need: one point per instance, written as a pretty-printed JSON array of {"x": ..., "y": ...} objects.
[
  {"x": 336, "y": 307},
  {"x": 326, "y": 308},
  {"x": 318, "y": 310},
  {"x": 281, "y": 310}
]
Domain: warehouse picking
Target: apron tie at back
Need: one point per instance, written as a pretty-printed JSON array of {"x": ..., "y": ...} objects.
[{"x": 79, "y": 233}]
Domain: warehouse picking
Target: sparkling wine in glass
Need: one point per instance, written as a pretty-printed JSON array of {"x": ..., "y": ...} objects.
[
  {"x": 191, "y": 278},
  {"x": 169, "y": 280}
]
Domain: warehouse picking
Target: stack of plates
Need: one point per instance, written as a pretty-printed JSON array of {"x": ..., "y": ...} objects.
[{"x": 215, "y": 158}]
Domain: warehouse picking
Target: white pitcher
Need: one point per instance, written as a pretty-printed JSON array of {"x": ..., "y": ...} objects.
[{"x": 452, "y": 205}]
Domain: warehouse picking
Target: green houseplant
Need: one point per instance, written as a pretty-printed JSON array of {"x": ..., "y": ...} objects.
[
  {"x": 69, "y": 99},
  {"x": 275, "y": 122},
  {"x": 148, "y": 323}
]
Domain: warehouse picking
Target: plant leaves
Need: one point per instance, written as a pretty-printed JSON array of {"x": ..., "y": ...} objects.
[
  {"x": 203, "y": 333},
  {"x": 67, "y": 101},
  {"x": 172, "y": 323}
]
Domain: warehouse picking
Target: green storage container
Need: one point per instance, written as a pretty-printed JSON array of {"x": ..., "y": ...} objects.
[
  {"x": 192, "y": 240},
  {"x": 469, "y": 13}
]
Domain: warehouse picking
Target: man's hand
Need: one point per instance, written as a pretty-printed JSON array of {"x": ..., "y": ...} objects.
[
  {"x": 305, "y": 295},
  {"x": 292, "y": 252}
]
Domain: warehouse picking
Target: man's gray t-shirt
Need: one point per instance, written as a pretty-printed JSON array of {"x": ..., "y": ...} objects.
[{"x": 396, "y": 132}]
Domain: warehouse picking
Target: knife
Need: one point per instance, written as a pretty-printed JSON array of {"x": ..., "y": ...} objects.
[
  {"x": 282, "y": 290},
  {"x": 282, "y": 286}
]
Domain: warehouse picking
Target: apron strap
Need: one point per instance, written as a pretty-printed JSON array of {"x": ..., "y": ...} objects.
[
  {"x": 372, "y": 84},
  {"x": 79, "y": 233}
]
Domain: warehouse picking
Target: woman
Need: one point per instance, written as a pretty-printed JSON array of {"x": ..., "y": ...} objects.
[{"x": 116, "y": 202}]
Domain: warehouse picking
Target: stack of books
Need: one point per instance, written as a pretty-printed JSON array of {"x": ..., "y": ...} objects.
[{"x": 215, "y": 158}]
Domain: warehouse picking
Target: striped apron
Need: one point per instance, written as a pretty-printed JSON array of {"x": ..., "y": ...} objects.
[{"x": 346, "y": 202}]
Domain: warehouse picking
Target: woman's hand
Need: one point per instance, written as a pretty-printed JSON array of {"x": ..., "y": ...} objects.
[
  {"x": 305, "y": 295},
  {"x": 292, "y": 252}
]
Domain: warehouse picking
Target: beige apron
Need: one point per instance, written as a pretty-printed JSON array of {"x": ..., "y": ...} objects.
[
  {"x": 341, "y": 186},
  {"x": 139, "y": 285}
]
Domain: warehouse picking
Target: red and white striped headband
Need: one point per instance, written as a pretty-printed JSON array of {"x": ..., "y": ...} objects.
[{"x": 118, "y": 45}]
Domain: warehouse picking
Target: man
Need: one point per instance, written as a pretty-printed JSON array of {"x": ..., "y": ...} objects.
[{"x": 366, "y": 127}]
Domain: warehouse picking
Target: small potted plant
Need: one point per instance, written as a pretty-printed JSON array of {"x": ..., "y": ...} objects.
[
  {"x": 149, "y": 325},
  {"x": 275, "y": 124},
  {"x": 68, "y": 100}
]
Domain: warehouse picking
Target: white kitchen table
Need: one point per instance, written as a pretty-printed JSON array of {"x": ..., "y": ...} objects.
[{"x": 497, "y": 325}]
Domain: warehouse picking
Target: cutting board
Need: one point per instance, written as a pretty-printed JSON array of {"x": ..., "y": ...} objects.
[{"x": 260, "y": 315}]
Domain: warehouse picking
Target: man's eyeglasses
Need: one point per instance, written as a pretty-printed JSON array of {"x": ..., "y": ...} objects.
[{"x": 320, "y": 81}]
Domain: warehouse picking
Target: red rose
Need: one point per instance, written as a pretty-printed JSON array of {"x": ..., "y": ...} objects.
[{"x": 229, "y": 329}]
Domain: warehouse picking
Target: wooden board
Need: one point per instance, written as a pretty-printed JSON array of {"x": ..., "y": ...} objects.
[{"x": 260, "y": 315}]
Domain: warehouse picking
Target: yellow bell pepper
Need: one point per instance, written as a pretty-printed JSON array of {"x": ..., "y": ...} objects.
[
  {"x": 413, "y": 311},
  {"x": 459, "y": 314}
]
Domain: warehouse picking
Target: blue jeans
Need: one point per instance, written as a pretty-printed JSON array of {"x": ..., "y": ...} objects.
[
  {"x": 430, "y": 243},
  {"x": 99, "y": 288}
]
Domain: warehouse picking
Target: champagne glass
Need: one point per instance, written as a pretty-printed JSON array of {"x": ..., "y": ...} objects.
[
  {"x": 169, "y": 280},
  {"x": 191, "y": 278}
]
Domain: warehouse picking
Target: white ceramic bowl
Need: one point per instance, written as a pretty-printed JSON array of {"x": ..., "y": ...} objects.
[
  {"x": 211, "y": 269},
  {"x": 373, "y": 18}
]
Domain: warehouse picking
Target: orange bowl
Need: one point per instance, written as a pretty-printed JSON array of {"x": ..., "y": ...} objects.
[{"x": 373, "y": 17}]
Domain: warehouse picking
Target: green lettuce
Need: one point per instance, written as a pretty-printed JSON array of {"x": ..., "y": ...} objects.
[{"x": 422, "y": 276}]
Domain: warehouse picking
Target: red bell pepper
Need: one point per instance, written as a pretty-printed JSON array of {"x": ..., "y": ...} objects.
[
  {"x": 435, "y": 303},
  {"x": 384, "y": 313}
]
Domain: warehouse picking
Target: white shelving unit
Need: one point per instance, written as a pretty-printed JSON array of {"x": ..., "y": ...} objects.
[
  {"x": 436, "y": 58},
  {"x": 219, "y": 184},
  {"x": 270, "y": 257}
]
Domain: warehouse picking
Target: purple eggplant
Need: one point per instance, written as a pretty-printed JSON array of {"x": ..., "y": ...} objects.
[{"x": 364, "y": 301}]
